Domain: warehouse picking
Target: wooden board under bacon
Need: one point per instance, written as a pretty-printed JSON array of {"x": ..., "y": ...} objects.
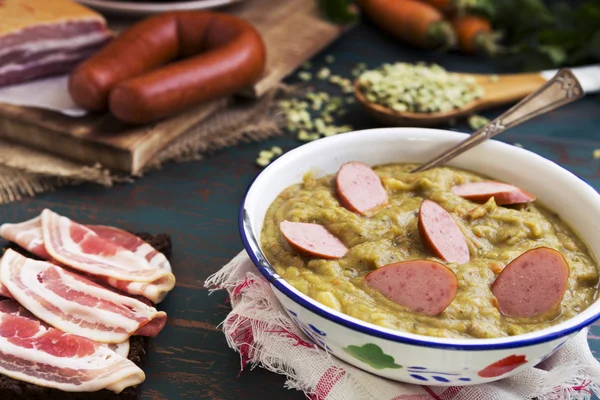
[{"x": 91, "y": 289}]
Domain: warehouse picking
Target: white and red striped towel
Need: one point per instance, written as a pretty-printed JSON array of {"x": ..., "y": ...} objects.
[{"x": 265, "y": 336}]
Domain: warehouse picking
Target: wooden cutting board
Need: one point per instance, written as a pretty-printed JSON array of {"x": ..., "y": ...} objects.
[{"x": 293, "y": 31}]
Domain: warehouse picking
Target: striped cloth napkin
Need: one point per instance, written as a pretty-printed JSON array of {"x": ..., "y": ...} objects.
[{"x": 259, "y": 329}]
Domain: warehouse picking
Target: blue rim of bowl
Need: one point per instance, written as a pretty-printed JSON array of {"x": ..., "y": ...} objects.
[{"x": 265, "y": 268}]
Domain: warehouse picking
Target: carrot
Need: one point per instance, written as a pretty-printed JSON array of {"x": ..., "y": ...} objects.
[
  {"x": 475, "y": 35},
  {"x": 453, "y": 5},
  {"x": 443, "y": 5},
  {"x": 411, "y": 21}
]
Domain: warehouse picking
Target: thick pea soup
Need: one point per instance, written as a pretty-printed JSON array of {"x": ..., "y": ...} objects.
[{"x": 390, "y": 233}]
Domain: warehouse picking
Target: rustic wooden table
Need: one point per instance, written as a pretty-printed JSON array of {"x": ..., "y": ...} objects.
[{"x": 197, "y": 204}]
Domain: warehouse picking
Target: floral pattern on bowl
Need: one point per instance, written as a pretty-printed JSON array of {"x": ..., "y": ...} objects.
[
  {"x": 314, "y": 334},
  {"x": 372, "y": 355},
  {"x": 502, "y": 367},
  {"x": 425, "y": 375},
  {"x": 415, "y": 364}
]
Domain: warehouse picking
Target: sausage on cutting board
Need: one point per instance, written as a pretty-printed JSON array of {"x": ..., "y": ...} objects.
[
  {"x": 503, "y": 193},
  {"x": 312, "y": 240},
  {"x": 423, "y": 286},
  {"x": 359, "y": 189},
  {"x": 135, "y": 78},
  {"x": 532, "y": 284},
  {"x": 440, "y": 233}
]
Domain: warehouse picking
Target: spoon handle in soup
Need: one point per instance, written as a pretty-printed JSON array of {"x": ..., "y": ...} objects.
[{"x": 562, "y": 89}]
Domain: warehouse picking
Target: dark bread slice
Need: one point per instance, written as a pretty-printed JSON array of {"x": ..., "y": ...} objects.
[{"x": 11, "y": 389}]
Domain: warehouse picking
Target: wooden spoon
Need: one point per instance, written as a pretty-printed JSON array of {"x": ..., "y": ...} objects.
[{"x": 503, "y": 90}]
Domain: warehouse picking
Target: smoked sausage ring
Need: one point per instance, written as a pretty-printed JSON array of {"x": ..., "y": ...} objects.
[{"x": 216, "y": 54}]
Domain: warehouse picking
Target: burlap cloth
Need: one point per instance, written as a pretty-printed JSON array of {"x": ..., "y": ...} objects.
[{"x": 27, "y": 172}]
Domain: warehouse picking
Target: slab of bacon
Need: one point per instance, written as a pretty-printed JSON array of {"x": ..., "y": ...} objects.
[
  {"x": 45, "y": 38},
  {"x": 44, "y": 356},
  {"x": 118, "y": 258},
  {"x": 75, "y": 304}
]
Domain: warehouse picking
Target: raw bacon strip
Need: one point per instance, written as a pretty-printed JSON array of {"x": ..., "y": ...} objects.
[
  {"x": 4, "y": 292},
  {"x": 74, "y": 304},
  {"x": 121, "y": 349},
  {"x": 132, "y": 243},
  {"x": 29, "y": 235},
  {"x": 14, "y": 308},
  {"x": 155, "y": 291},
  {"x": 81, "y": 248},
  {"x": 44, "y": 356},
  {"x": 23, "y": 231}
]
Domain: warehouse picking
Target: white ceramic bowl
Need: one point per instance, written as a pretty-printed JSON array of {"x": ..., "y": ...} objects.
[{"x": 405, "y": 356}]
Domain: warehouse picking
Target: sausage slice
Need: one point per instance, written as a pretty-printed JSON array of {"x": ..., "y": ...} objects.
[
  {"x": 312, "y": 240},
  {"x": 359, "y": 189},
  {"x": 441, "y": 234},
  {"x": 532, "y": 284},
  {"x": 423, "y": 286},
  {"x": 503, "y": 193}
]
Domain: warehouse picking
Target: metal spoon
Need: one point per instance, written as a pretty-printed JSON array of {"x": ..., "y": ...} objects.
[{"x": 563, "y": 88}]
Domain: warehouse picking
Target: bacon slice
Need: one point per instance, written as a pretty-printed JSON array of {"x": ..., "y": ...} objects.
[
  {"x": 10, "y": 306},
  {"x": 81, "y": 248},
  {"x": 155, "y": 291},
  {"x": 74, "y": 304},
  {"x": 121, "y": 349},
  {"x": 44, "y": 356},
  {"x": 95, "y": 250},
  {"x": 28, "y": 235},
  {"x": 132, "y": 243},
  {"x": 4, "y": 292}
]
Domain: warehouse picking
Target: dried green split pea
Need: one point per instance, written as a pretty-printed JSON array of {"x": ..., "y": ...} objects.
[
  {"x": 419, "y": 88},
  {"x": 265, "y": 157}
]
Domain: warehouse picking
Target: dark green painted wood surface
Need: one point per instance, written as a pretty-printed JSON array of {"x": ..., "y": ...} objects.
[{"x": 197, "y": 204}]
